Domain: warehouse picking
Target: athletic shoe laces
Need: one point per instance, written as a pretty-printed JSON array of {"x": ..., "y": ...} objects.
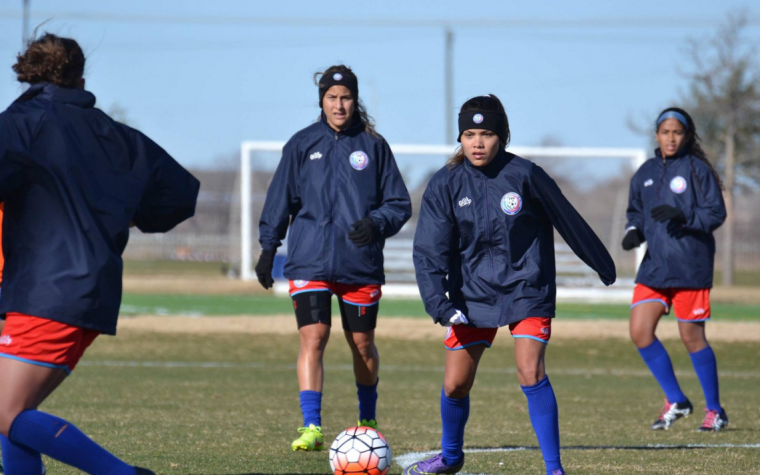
[
  {"x": 665, "y": 411},
  {"x": 710, "y": 418}
]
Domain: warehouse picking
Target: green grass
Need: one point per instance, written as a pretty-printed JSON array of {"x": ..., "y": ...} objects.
[
  {"x": 137, "y": 304},
  {"x": 240, "y": 419}
]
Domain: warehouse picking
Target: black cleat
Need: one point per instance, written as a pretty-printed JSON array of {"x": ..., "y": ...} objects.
[
  {"x": 671, "y": 412},
  {"x": 714, "y": 421},
  {"x": 143, "y": 471}
]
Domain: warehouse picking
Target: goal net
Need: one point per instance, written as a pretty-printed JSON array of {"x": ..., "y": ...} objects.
[{"x": 595, "y": 180}]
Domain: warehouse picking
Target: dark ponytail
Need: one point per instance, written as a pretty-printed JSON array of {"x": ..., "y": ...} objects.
[{"x": 692, "y": 146}]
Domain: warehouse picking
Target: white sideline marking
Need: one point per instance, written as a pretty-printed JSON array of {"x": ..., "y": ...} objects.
[
  {"x": 407, "y": 459},
  {"x": 402, "y": 368}
]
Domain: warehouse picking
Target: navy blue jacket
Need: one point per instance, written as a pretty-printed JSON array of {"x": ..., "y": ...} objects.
[
  {"x": 677, "y": 256},
  {"x": 485, "y": 237},
  {"x": 325, "y": 182},
  {"x": 72, "y": 179}
]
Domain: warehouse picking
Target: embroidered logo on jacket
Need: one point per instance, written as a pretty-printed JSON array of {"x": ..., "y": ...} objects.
[
  {"x": 464, "y": 202},
  {"x": 511, "y": 203},
  {"x": 359, "y": 160},
  {"x": 315, "y": 156},
  {"x": 678, "y": 185},
  {"x": 649, "y": 182}
]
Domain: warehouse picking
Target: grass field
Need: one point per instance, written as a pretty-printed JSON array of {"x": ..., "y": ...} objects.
[
  {"x": 227, "y": 403},
  {"x": 198, "y": 305}
]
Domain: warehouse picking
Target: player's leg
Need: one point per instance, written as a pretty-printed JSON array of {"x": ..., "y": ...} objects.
[
  {"x": 311, "y": 302},
  {"x": 531, "y": 338},
  {"x": 359, "y": 307},
  {"x": 465, "y": 347},
  {"x": 27, "y": 377},
  {"x": 692, "y": 309},
  {"x": 649, "y": 305}
]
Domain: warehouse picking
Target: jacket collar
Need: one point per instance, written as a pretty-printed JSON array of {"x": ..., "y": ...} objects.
[
  {"x": 65, "y": 95},
  {"x": 491, "y": 170},
  {"x": 680, "y": 154},
  {"x": 351, "y": 131}
]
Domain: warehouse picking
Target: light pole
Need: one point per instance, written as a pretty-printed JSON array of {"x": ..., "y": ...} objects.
[{"x": 25, "y": 26}]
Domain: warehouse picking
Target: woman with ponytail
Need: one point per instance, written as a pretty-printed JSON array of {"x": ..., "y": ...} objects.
[
  {"x": 675, "y": 205},
  {"x": 484, "y": 259}
]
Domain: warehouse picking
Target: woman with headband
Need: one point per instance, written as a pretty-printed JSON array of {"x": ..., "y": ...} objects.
[
  {"x": 675, "y": 205},
  {"x": 339, "y": 190},
  {"x": 484, "y": 258}
]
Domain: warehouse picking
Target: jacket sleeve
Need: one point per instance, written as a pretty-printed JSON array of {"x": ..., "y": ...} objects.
[
  {"x": 12, "y": 157},
  {"x": 171, "y": 194},
  {"x": 396, "y": 208},
  {"x": 433, "y": 252},
  {"x": 709, "y": 210},
  {"x": 571, "y": 226},
  {"x": 635, "y": 211},
  {"x": 283, "y": 200}
]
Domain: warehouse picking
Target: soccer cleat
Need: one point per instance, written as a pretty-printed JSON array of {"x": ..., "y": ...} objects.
[
  {"x": 143, "y": 471},
  {"x": 714, "y": 421},
  {"x": 371, "y": 423},
  {"x": 559, "y": 471},
  {"x": 311, "y": 439},
  {"x": 671, "y": 412},
  {"x": 433, "y": 466}
]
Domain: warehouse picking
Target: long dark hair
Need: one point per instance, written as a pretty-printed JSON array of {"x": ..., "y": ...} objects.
[
  {"x": 692, "y": 146},
  {"x": 488, "y": 103},
  {"x": 51, "y": 59},
  {"x": 360, "y": 112}
]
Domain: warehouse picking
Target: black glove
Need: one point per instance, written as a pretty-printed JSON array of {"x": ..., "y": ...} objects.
[
  {"x": 633, "y": 238},
  {"x": 664, "y": 213},
  {"x": 364, "y": 232},
  {"x": 264, "y": 269}
]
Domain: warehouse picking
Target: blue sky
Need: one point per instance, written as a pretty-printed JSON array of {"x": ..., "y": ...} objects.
[{"x": 199, "y": 77}]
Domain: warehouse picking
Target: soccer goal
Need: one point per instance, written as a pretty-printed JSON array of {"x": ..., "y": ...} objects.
[{"x": 595, "y": 180}]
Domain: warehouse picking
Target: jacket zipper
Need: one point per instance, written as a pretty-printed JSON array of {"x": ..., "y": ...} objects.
[
  {"x": 488, "y": 243},
  {"x": 332, "y": 206}
]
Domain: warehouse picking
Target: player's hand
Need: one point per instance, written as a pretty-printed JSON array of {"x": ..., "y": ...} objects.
[
  {"x": 264, "y": 269},
  {"x": 457, "y": 319},
  {"x": 664, "y": 213},
  {"x": 364, "y": 232},
  {"x": 633, "y": 238}
]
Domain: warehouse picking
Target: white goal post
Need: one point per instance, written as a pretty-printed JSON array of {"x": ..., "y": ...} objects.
[{"x": 635, "y": 158}]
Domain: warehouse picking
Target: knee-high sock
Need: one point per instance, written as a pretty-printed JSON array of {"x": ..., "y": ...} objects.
[
  {"x": 658, "y": 361},
  {"x": 544, "y": 415},
  {"x": 61, "y": 440},
  {"x": 454, "y": 415},
  {"x": 311, "y": 407},
  {"x": 707, "y": 372},
  {"x": 20, "y": 460},
  {"x": 367, "y": 400}
]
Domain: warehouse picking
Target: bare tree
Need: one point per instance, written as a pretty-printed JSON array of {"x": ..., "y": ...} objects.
[{"x": 724, "y": 99}]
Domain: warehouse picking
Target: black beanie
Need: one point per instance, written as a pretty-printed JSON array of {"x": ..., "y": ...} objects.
[
  {"x": 338, "y": 78},
  {"x": 486, "y": 120}
]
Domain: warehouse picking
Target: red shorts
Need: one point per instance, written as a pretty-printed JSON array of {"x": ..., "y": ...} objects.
[
  {"x": 690, "y": 305},
  {"x": 362, "y": 295},
  {"x": 535, "y": 328},
  {"x": 44, "y": 342}
]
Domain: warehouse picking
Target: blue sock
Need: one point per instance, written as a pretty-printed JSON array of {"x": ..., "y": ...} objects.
[
  {"x": 20, "y": 459},
  {"x": 367, "y": 400},
  {"x": 544, "y": 416},
  {"x": 454, "y": 415},
  {"x": 707, "y": 372},
  {"x": 311, "y": 407},
  {"x": 61, "y": 440},
  {"x": 658, "y": 361}
]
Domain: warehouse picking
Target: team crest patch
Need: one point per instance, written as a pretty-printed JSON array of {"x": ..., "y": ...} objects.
[
  {"x": 300, "y": 283},
  {"x": 511, "y": 203},
  {"x": 337, "y": 76},
  {"x": 477, "y": 118},
  {"x": 678, "y": 185},
  {"x": 359, "y": 160},
  {"x": 6, "y": 340}
]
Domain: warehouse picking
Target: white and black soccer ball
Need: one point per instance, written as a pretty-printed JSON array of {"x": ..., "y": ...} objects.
[{"x": 360, "y": 450}]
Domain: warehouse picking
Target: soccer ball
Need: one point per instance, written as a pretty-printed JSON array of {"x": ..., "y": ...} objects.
[{"x": 360, "y": 450}]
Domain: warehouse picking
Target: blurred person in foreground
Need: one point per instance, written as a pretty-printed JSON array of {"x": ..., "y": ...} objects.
[{"x": 72, "y": 181}]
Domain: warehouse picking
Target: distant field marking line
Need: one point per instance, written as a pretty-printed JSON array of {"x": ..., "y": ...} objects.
[{"x": 401, "y": 368}]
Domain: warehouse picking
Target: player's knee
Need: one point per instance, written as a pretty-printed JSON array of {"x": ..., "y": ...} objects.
[
  {"x": 7, "y": 416},
  {"x": 457, "y": 389},
  {"x": 362, "y": 344},
  {"x": 529, "y": 375},
  {"x": 641, "y": 337},
  {"x": 694, "y": 344},
  {"x": 313, "y": 342}
]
